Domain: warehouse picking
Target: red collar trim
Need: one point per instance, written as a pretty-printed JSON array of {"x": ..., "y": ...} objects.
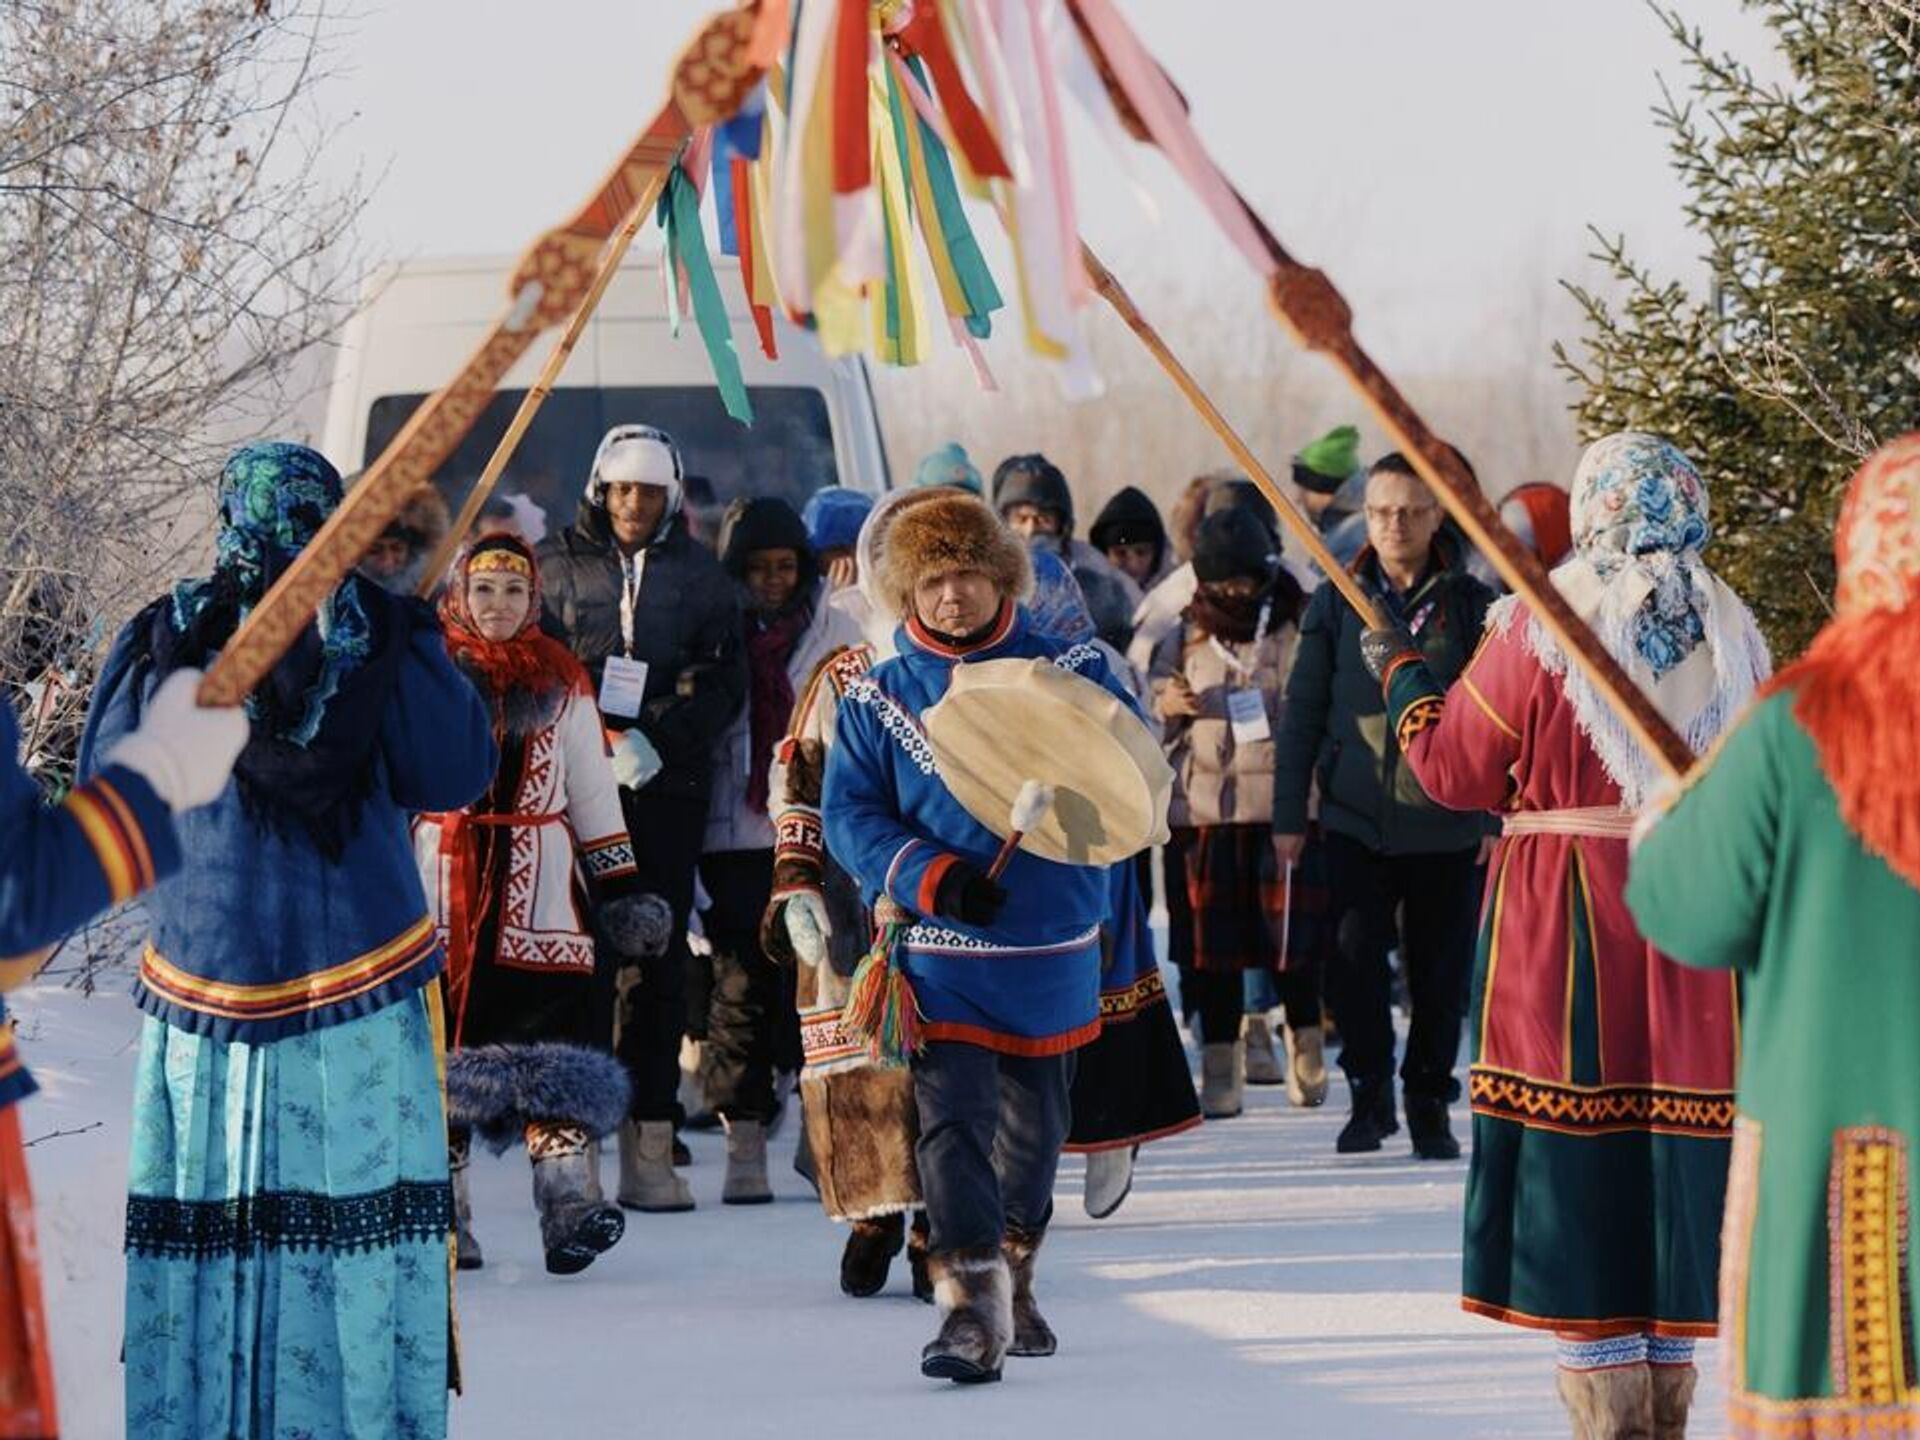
[{"x": 924, "y": 637}]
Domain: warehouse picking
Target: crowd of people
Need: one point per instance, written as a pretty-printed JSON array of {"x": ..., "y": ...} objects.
[{"x": 638, "y": 823}]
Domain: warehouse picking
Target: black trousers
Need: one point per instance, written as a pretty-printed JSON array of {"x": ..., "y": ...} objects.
[
  {"x": 1437, "y": 898},
  {"x": 1219, "y": 998},
  {"x": 751, "y": 1023},
  {"x": 646, "y": 1000},
  {"x": 991, "y": 1128}
]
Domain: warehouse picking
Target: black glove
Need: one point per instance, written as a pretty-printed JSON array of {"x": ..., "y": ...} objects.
[
  {"x": 967, "y": 895},
  {"x": 1380, "y": 648}
]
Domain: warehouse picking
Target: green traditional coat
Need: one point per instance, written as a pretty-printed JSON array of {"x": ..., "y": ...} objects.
[{"x": 1754, "y": 871}]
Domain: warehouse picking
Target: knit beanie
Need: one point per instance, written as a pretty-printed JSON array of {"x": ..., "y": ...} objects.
[
  {"x": 764, "y": 522},
  {"x": 948, "y": 465},
  {"x": 1324, "y": 465},
  {"x": 1234, "y": 543},
  {"x": 834, "y": 516}
]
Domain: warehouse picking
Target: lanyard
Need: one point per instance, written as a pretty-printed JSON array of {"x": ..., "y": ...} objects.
[
  {"x": 633, "y": 573},
  {"x": 1244, "y": 668}
]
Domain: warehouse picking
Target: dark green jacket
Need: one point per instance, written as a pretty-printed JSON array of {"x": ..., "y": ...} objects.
[{"x": 1335, "y": 725}]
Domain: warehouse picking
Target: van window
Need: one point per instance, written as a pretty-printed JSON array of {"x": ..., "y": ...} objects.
[{"x": 787, "y": 451}]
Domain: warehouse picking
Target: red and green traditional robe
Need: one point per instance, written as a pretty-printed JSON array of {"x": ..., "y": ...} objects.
[{"x": 1602, "y": 1078}]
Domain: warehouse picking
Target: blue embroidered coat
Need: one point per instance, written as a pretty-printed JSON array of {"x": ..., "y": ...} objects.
[
  {"x": 260, "y": 936},
  {"x": 1029, "y": 984},
  {"x": 61, "y": 866}
]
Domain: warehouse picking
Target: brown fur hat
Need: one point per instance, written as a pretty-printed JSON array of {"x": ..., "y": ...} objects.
[{"x": 953, "y": 532}]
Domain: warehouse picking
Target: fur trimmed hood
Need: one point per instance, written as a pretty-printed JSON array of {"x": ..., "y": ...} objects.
[
  {"x": 950, "y": 532},
  {"x": 497, "y": 1090}
]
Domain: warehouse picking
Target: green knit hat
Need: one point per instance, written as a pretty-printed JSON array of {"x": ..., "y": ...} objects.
[{"x": 1324, "y": 465}]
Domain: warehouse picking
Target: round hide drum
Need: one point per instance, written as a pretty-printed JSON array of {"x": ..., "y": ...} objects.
[{"x": 1005, "y": 722}]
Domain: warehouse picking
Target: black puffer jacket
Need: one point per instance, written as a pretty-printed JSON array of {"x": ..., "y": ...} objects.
[
  {"x": 686, "y": 629},
  {"x": 1334, "y": 728}
]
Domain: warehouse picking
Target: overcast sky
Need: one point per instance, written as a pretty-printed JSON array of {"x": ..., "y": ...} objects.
[{"x": 1442, "y": 161}]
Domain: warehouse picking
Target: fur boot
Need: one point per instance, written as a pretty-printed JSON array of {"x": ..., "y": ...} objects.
[
  {"x": 1612, "y": 1404},
  {"x": 918, "y": 1266},
  {"x": 974, "y": 1292},
  {"x": 1222, "y": 1078},
  {"x": 1032, "y": 1336},
  {"x": 1672, "y": 1399},
  {"x": 467, "y": 1255},
  {"x": 1263, "y": 1065},
  {"x": 869, "y": 1254},
  {"x": 497, "y": 1091},
  {"x": 647, "y": 1181},
  {"x": 576, "y": 1227},
  {"x": 746, "y": 1182},
  {"x": 1306, "y": 1067},
  {"x": 1109, "y": 1180}
]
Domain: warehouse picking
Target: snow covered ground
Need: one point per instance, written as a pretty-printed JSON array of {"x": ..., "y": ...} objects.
[{"x": 1254, "y": 1279}]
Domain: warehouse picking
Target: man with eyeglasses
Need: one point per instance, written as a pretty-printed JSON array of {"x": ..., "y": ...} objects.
[{"x": 1390, "y": 851}]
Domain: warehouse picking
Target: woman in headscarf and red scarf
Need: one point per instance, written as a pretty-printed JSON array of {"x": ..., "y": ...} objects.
[
  {"x": 514, "y": 881},
  {"x": 1792, "y": 858},
  {"x": 1602, "y": 1078},
  {"x": 752, "y": 1027}
]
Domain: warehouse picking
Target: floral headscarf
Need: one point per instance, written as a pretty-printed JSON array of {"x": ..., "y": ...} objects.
[
  {"x": 1636, "y": 576},
  {"x": 530, "y": 660},
  {"x": 1855, "y": 693},
  {"x": 1640, "y": 505}
]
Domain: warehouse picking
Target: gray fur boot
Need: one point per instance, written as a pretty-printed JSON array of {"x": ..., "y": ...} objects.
[
  {"x": 974, "y": 1292},
  {"x": 1032, "y": 1336},
  {"x": 1263, "y": 1064},
  {"x": 466, "y": 1250},
  {"x": 746, "y": 1182},
  {"x": 576, "y": 1227},
  {"x": 1223, "y": 1073},
  {"x": 1109, "y": 1180},
  {"x": 647, "y": 1181}
]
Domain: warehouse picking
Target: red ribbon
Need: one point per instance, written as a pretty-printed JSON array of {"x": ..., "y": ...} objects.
[{"x": 926, "y": 37}]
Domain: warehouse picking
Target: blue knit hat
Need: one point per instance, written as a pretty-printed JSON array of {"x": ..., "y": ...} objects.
[
  {"x": 948, "y": 465},
  {"x": 833, "y": 517}
]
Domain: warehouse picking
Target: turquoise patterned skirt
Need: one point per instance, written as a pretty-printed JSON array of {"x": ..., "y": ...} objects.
[{"x": 287, "y": 1222}]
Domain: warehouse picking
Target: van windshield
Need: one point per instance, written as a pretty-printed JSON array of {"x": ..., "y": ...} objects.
[{"x": 787, "y": 451}]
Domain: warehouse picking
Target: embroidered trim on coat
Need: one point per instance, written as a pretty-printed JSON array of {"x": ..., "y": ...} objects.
[
  {"x": 1591, "y": 1110},
  {"x": 288, "y": 1220},
  {"x": 1130, "y": 1000},
  {"x": 113, "y": 832},
  {"x": 896, "y": 722},
  {"x": 1872, "y": 1290},
  {"x": 417, "y": 945},
  {"x": 1078, "y": 658},
  {"x": 607, "y": 858}
]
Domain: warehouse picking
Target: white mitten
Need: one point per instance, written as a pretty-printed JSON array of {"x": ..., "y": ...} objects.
[
  {"x": 808, "y": 927},
  {"x": 635, "y": 761},
  {"x": 184, "y": 752}
]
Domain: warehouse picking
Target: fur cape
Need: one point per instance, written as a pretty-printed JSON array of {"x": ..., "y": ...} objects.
[
  {"x": 951, "y": 532},
  {"x": 496, "y": 1091}
]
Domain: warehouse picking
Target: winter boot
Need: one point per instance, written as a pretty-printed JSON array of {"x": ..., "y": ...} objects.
[
  {"x": 1430, "y": 1128},
  {"x": 1372, "y": 1120},
  {"x": 1263, "y": 1066},
  {"x": 575, "y": 1228},
  {"x": 975, "y": 1294},
  {"x": 1672, "y": 1398},
  {"x": 467, "y": 1254},
  {"x": 647, "y": 1181},
  {"x": 746, "y": 1182},
  {"x": 919, "y": 1268},
  {"x": 1109, "y": 1180},
  {"x": 1222, "y": 1076},
  {"x": 1032, "y": 1336},
  {"x": 1612, "y": 1404},
  {"x": 869, "y": 1254},
  {"x": 1306, "y": 1067}
]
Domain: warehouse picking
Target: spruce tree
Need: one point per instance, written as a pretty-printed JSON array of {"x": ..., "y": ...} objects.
[{"x": 1805, "y": 353}]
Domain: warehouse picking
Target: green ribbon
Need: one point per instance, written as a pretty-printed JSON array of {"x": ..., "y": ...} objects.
[
  {"x": 969, "y": 265},
  {"x": 687, "y": 250}
]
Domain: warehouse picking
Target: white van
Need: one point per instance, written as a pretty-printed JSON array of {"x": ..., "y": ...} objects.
[{"x": 814, "y": 421}]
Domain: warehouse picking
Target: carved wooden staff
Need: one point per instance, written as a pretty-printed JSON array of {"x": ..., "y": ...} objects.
[
  {"x": 1303, "y": 528},
  {"x": 710, "y": 81}
]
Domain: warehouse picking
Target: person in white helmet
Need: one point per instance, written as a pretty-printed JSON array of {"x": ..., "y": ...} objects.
[{"x": 656, "y": 621}]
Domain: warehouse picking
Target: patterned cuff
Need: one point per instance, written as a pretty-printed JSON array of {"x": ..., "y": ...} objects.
[
  {"x": 608, "y": 858},
  {"x": 798, "y": 835},
  {"x": 132, "y": 855}
]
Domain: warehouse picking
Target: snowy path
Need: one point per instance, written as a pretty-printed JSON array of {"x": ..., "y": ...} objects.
[{"x": 1253, "y": 1279}]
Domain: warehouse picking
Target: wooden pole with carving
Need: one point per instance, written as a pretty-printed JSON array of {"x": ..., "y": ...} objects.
[
  {"x": 710, "y": 80},
  {"x": 541, "y": 388},
  {"x": 1303, "y": 528}
]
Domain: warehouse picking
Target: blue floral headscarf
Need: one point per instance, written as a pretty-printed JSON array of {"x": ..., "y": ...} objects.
[
  {"x": 1640, "y": 505},
  {"x": 274, "y": 497}
]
